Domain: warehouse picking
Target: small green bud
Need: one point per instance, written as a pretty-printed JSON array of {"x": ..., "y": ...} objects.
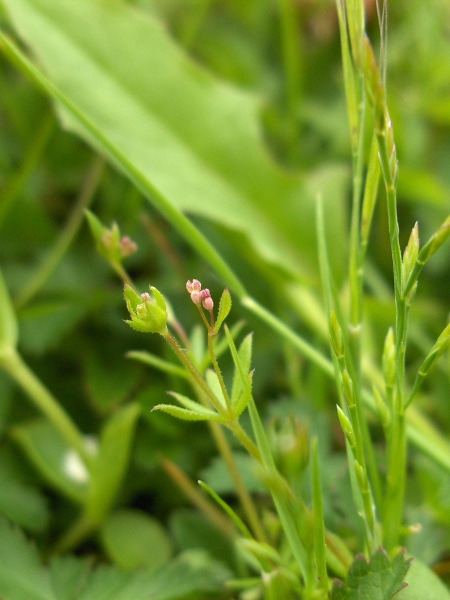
[
  {"x": 347, "y": 386},
  {"x": 110, "y": 245},
  {"x": 436, "y": 351},
  {"x": 435, "y": 242},
  {"x": 360, "y": 477},
  {"x": 411, "y": 253},
  {"x": 346, "y": 427},
  {"x": 148, "y": 314},
  {"x": 388, "y": 359}
]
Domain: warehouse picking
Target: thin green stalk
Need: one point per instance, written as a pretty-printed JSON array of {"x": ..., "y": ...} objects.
[
  {"x": 292, "y": 56},
  {"x": 218, "y": 372},
  {"x": 67, "y": 235},
  {"x": 32, "y": 158},
  {"x": 46, "y": 403},
  {"x": 222, "y": 443},
  {"x": 396, "y": 476}
]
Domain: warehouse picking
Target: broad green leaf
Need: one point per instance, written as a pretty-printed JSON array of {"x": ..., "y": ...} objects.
[
  {"x": 8, "y": 324},
  {"x": 111, "y": 462},
  {"x": 200, "y": 414},
  {"x": 377, "y": 579},
  {"x": 53, "y": 458},
  {"x": 133, "y": 539},
  {"x": 189, "y": 141},
  {"x": 423, "y": 584},
  {"x": 68, "y": 574},
  {"x": 224, "y": 309},
  {"x": 21, "y": 575}
]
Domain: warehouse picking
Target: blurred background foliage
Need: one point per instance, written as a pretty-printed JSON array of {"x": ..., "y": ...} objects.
[{"x": 72, "y": 330}]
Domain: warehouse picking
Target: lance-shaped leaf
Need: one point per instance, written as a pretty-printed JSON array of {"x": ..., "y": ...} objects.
[
  {"x": 224, "y": 309},
  {"x": 199, "y": 413},
  {"x": 241, "y": 402}
]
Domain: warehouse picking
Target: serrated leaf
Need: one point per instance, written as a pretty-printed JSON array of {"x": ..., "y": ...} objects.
[
  {"x": 224, "y": 309},
  {"x": 199, "y": 414},
  {"x": 377, "y": 579},
  {"x": 241, "y": 402},
  {"x": 191, "y": 404},
  {"x": 180, "y": 120},
  {"x": 21, "y": 575},
  {"x": 69, "y": 575},
  {"x": 111, "y": 462},
  {"x": 191, "y": 575}
]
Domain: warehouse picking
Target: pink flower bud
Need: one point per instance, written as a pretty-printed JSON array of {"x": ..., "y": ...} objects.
[
  {"x": 146, "y": 297},
  {"x": 127, "y": 247},
  {"x": 207, "y": 301},
  {"x": 193, "y": 286},
  {"x": 196, "y": 297}
]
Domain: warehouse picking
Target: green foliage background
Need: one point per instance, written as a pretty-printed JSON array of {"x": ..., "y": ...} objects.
[{"x": 233, "y": 114}]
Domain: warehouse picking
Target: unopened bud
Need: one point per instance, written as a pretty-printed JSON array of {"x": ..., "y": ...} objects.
[
  {"x": 127, "y": 247},
  {"x": 148, "y": 314},
  {"x": 411, "y": 253},
  {"x": 194, "y": 288},
  {"x": 388, "y": 359},
  {"x": 207, "y": 301}
]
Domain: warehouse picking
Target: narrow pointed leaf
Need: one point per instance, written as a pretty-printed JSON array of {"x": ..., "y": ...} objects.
[
  {"x": 189, "y": 415},
  {"x": 224, "y": 309}
]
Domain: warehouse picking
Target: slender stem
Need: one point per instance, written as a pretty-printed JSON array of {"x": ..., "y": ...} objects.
[
  {"x": 218, "y": 372},
  {"x": 46, "y": 403},
  {"x": 67, "y": 235},
  {"x": 18, "y": 180},
  {"x": 221, "y": 440},
  {"x": 192, "y": 492},
  {"x": 290, "y": 35},
  {"x": 194, "y": 372},
  {"x": 244, "y": 497}
]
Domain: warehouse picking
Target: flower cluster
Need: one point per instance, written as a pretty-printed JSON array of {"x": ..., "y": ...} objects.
[
  {"x": 199, "y": 296},
  {"x": 148, "y": 314}
]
